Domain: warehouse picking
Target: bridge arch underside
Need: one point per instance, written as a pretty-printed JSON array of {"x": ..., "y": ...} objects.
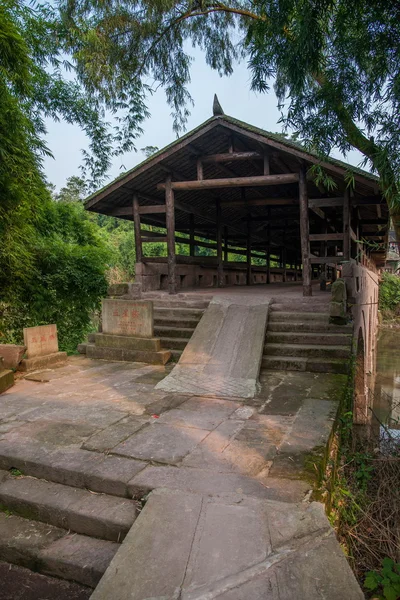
[{"x": 234, "y": 207}]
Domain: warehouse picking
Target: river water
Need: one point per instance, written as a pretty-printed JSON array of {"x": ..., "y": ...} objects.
[{"x": 386, "y": 406}]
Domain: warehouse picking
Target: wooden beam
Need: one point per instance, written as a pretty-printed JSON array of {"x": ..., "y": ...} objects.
[
  {"x": 262, "y": 202},
  {"x": 374, "y": 222},
  {"x": 367, "y": 201},
  {"x": 170, "y": 222},
  {"x": 230, "y": 156},
  {"x": 122, "y": 211},
  {"x": 257, "y": 180},
  {"x": 136, "y": 225},
  {"x": 325, "y": 202},
  {"x": 162, "y": 238},
  {"x": 319, "y": 260},
  {"x": 149, "y": 210},
  {"x": 305, "y": 232},
  {"x": 325, "y": 237},
  {"x": 320, "y": 213}
]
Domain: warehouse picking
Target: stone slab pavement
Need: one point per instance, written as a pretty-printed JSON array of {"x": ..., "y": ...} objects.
[{"x": 224, "y": 464}]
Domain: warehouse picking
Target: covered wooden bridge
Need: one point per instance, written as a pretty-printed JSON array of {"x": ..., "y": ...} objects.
[{"x": 245, "y": 194}]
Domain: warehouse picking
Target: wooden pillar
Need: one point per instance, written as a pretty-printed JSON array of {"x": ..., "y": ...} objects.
[
  {"x": 136, "y": 224},
  {"x": 191, "y": 235},
  {"x": 220, "y": 267},
  {"x": 225, "y": 244},
  {"x": 304, "y": 233},
  {"x": 346, "y": 225},
  {"x": 284, "y": 277},
  {"x": 269, "y": 245},
  {"x": 170, "y": 221},
  {"x": 248, "y": 252}
]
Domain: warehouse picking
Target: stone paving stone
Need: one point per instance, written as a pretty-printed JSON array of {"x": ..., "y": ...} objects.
[
  {"x": 106, "y": 439},
  {"x": 312, "y": 426},
  {"x": 230, "y": 548},
  {"x": 169, "y": 516},
  {"x": 167, "y": 402},
  {"x": 198, "y": 481},
  {"x": 199, "y": 413},
  {"x": 161, "y": 443}
]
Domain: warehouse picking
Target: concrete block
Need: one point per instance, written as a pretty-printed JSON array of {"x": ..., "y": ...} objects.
[
  {"x": 12, "y": 355},
  {"x": 6, "y": 379},
  {"x": 81, "y": 348},
  {"x": 43, "y": 362},
  {"x": 127, "y": 342}
]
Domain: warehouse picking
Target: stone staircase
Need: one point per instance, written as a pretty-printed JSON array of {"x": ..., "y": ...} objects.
[
  {"x": 299, "y": 337},
  {"x": 175, "y": 319},
  {"x": 59, "y": 530}
]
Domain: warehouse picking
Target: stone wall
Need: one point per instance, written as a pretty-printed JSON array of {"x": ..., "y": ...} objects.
[{"x": 362, "y": 296}]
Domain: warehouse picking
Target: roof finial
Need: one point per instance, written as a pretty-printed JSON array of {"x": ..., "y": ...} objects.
[{"x": 217, "y": 108}]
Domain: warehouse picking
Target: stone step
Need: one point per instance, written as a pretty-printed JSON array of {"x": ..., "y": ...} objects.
[
  {"x": 295, "y": 337},
  {"x": 196, "y": 304},
  {"x": 308, "y": 325},
  {"x": 176, "y": 354},
  {"x": 53, "y": 551},
  {"x": 96, "y": 515},
  {"x": 298, "y": 316},
  {"x": 72, "y": 467},
  {"x": 178, "y": 313},
  {"x": 301, "y": 363},
  {"x": 173, "y": 332},
  {"x": 320, "y": 307},
  {"x": 307, "y": 350},
  {"x": 176, "y": 322},
  {"x": 175, "y": 343}
]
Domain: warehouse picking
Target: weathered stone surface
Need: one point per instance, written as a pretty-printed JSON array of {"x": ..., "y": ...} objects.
[
  {"x": 21, "y": 540},
  {"x": 200, "y": 413},
  {"x": 233, "y": 548},
  {"x": 168, "y": 516},
  {"x": 224, "y": 354},
  {"x": 338, "y": 291},
  {"x": 198, "y": 481},
  {"x": 122, "y": 354},
  {"x": 6, "y": 379},
  {"x": 127, "y": 290},
  {"x": 115, "y": 434},
  {"x": 73, "y": 509},
  {"x": 128, "y": 317},
  {"x": 127, "y": 342},
  {"x": 41, "y": 340},
  {"x": 161, "y": 443},
  {"x": 78, "y": 558},
  {"x": 42, "y": 362},
  {"x": 81, "y": 348},
  {"x": 12, "y": 355}
]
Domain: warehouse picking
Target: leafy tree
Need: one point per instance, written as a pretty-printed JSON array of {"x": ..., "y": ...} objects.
[
  {"x": 75, "y": 190},
  {"x": 335, "y": 63}
]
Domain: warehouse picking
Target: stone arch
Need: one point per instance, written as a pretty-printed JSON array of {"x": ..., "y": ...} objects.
[{"x": 360, "y": 403}]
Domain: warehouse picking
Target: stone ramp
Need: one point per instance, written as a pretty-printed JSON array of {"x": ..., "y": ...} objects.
[
  {"x": 231, "y": 547},
  {"x": 223, "y": 356}
]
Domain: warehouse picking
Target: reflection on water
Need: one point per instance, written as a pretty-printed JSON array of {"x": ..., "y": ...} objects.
[{"x": 386, "y": 405}]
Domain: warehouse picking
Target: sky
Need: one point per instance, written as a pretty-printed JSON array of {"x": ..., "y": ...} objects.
[{"x": 237, "y": 100}]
